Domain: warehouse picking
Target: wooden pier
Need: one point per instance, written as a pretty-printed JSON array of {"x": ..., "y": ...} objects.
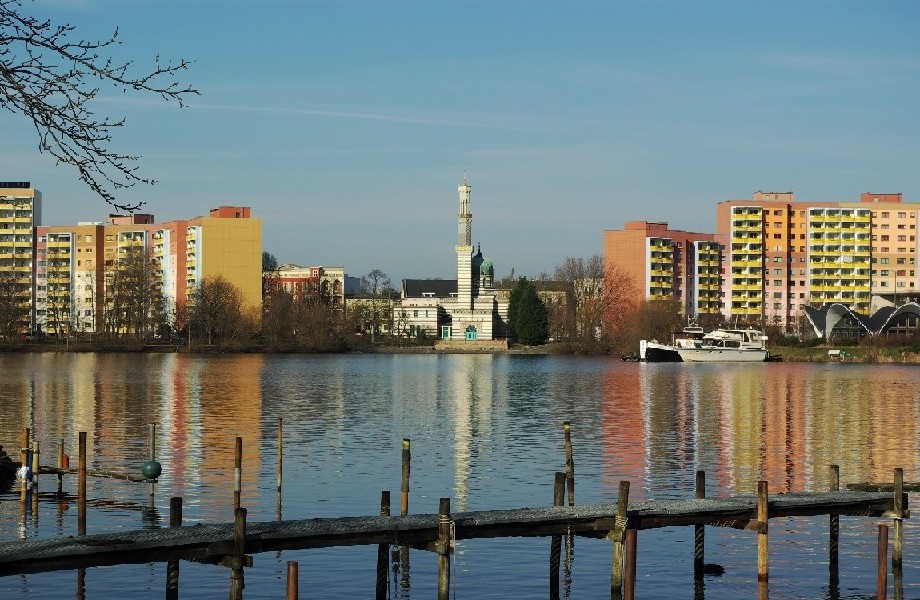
[
  {"x": 232, "y": 544},
  {"x": 213, "y": 543}
]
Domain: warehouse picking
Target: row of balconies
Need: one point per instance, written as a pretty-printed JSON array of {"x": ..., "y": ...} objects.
[{"x": 830, "y": 286}]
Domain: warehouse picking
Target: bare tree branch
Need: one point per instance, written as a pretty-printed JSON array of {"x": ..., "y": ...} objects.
[{"x": 52, "y": 78}]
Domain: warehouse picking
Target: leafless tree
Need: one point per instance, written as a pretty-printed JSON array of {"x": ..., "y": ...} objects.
[
  {"x": 134, "y": 305},
  {"x": 219, "y": 314},
  {"x": 377, "y": 283},
  {"x": 14, "y": 309},
  {"x": 52, "y": 77},
  {"x": 589, "y": 296}
]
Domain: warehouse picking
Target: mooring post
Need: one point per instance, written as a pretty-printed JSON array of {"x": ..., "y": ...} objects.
[
  {"x": 239, "y": 549},
  {"x": 280, "y": 451},
  {"x": 406, "y": 467},
  {"x": 616, "y": 578},
  {"x": 699, "y": 532},
  {"x": 629, "y": 585},
  {"x": 882, "y": 561},
  {"x": 34, "y": 466},
  {"x": 444, "y": 542},
  {"x": 172, "y": 567},
  {"x": 237, "y": 473},
  {"x": 152, "y": 427},
  {"x": 763, "y": 555},
  {"x": 383, "y": 570},
  {"x": 404, "y": 509},
  {"x": 833, "y": 543},
  {"x": 555, "y": 546},
  {"x": 292, "y": 592},
  {"x": 81, "y": 485},
  {"x": 60, "y": 465},
  {"x": 24, "y": 451},
  {"x": 898, "y": 507},
  {"x": 569, "y": 462}
]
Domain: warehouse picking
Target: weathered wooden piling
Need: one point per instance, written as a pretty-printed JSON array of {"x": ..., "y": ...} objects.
[
  {"x": 898, "y": 510},
  {"x": 882, "y": 561},
  {"x": 81, "y": 485},
  {"x": 629, "y": 583},
  {"x": 699, "y": 532},
  {"x": 569, "y": 462},
  {"x": 172, "y": 567},
  {"x": 555, "y": 546},
  {"x": 404, "y": 509},
  {"x": 60, "y": 465},
  {"x": 280, "y": 451},
  {"x": 443, "y": 548},
  {"x": 292, "y": 590},
  {"x": 406, "y": 467},
  {"x": 620, "y": 522},
  {"x": 763, "y": 554},
  {"x": 239, "y": 547},
  {"x": 383, "y": 570},
  {"x": 237, "y": 473},
  {"x": 24, "y": 451},
  {"x": 33, "y": 465}
]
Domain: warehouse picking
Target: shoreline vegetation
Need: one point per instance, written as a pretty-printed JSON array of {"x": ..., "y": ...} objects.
[{"x": 865, "y": 353}]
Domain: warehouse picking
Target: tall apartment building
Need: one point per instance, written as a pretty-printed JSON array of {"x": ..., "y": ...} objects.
[
  {"x": 783, "y": 254},
  {"x": 20, "y": 212},
  {"x": 665, "y": 263},
  {"x": 74, "y": 264}
]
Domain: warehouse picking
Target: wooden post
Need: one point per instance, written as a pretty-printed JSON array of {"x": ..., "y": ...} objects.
[
  {"x": 569, "y": 462},
  {"x": 238, "y": 473},
  {"x": 280, "y": 452},
  {"x": 555, "y": 547},
  {"x": 444, "y": 541},
  {"x": 292, "y": 592},
  {"x": 24, "y": 451},
  {"x": 833, "y": 544},
  {"x": 60, "y": 465},
  {"x": 882, "y": 562},
  {"x": 404, "y": 510},
  {"x": 629, "y": 586},
  {"x": 898, "y": 505},
  {"x": 406, "y": 466},
  {"x": 239, "y": 549},
  {"x": 763, "y": 555},
  {"x": 383, "y": 570},
  {"x": 699, "y": 532},
  {"x": 34, "y": 466},
  {"x": 81, "y": 485},
  {"x": 616, "y": 579},
  {"x": 172, "y": 567},
  {"x": 152, "y": 428}
]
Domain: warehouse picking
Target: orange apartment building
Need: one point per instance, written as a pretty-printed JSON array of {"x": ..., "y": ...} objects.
[
  {"x": 667, "y": 263},
  {"x": 72, "y": 262}
]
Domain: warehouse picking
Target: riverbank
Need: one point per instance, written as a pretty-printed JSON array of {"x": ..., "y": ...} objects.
[{"x": 827, "y": 353}]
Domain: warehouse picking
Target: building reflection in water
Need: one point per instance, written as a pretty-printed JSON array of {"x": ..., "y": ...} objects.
[
  {"x": 785, "y": 423},
  {"x": 472, "y": 389}
]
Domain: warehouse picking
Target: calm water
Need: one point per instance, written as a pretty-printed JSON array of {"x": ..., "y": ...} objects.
[{"x": 487, "y": 432}]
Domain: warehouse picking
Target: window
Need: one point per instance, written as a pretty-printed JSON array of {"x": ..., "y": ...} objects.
[
  {"x": 777, "y": 259},
  {"x": 884, "y": 238},
  {"x": 884, "y": 261},
  {"x": 89, "y": 238},
  {"x": 777, "y": 271},
  {"x": 777, "y": 294},
  {"x": 901, "y": 261},
  {"x": 884, "y": 273},
  {"x": 777, "y": 282},
  {"x": 885, "y": 214},
  {"x": 414, "y": 314},
  {"x": 902, "y": 215}
]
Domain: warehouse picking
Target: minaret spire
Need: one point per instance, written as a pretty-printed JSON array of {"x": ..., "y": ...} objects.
[{"x": 464, "y": 246}]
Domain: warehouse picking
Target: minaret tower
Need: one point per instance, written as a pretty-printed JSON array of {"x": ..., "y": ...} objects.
[{"x": 464, "y": 247}]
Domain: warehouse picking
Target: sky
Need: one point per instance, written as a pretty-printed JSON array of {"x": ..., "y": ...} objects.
[{"x": 347, "y": 125}]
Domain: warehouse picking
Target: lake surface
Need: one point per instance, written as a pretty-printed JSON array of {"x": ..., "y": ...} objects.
[{"x": 485, "y": 431}]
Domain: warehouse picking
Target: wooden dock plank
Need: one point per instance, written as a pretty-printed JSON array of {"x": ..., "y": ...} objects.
[{"x": 207, "y": 542}]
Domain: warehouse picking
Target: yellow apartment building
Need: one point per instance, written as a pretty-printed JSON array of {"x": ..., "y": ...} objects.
[{"x": 20, "y": 212}]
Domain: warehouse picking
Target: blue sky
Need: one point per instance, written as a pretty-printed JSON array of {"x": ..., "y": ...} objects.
[{"x": 347, "y": 125}]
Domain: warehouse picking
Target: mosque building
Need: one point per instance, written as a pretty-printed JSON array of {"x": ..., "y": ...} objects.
[{"x": 463, "y": 310}]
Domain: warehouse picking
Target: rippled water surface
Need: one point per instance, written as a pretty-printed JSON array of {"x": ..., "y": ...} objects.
[{"x": 485, "y": 431}]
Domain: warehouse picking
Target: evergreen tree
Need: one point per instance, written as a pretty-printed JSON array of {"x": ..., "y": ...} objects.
[
  {"x": 513, "y": 304},
  {"x": 527, "y": 314}
]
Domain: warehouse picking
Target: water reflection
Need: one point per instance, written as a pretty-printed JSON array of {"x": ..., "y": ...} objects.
[{"x": 485, "y": 430}]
